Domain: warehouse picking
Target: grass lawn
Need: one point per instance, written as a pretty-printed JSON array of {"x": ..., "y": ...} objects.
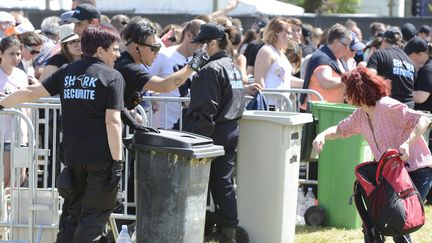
[{"x": 309, "y": 234}]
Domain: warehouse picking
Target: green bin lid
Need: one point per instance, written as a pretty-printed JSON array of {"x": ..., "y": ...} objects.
[
  {"x": 178, "y": 142},
  {"x": 320, "y": 105}
]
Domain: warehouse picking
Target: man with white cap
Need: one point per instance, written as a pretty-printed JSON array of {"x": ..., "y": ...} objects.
[{"x": 6, "y": 20}]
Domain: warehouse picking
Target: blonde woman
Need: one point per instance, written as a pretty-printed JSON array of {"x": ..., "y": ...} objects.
[{"x": 272, "y": 67}]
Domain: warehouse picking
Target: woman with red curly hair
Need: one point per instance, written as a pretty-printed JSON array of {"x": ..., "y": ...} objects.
[{"x": 385, "y": 123}]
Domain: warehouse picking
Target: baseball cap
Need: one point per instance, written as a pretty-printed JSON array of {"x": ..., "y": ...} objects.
[
  {"x": 65, "y": 17},
  {"x": 424, "y": 29},
  {"x": 7, "y": 17},
  {"x": 408, "y": 31},
  {"x": 392, "y": 32},
  {"x": 209, "y": 31},
  {"x": 356, "y": 44},
  {"x": 84, "y": 12},
  {"x": 66, "y": 33},
  {"x": 416, "y": 45}
]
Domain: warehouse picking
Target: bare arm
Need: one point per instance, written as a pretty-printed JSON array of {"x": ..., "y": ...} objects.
[
  {"x": 328, "y": 134},
  {"x": 373, "y": 70},
  {"x": 420, "y": 96},
  {"x": 326, "y": 79},
  {"x": 24, "y": 95},
  {"x": 296, "y": 82},
  {"x": 262, "y": 65},
  {"x": 229, "y": 7},
  {"x": 47, "y": 71},
  {"x": 170, "y": 82},
  {"x": 418, "y": 131},
  {"x": 114, "y": 128}
]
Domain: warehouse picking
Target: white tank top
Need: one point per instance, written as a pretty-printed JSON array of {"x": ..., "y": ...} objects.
[{"x": 278, "y": 76}]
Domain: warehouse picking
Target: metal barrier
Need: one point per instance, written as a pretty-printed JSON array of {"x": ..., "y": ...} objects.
[
  {"x": 24, "y": 208},
  {"x": 40, "y": 158}
]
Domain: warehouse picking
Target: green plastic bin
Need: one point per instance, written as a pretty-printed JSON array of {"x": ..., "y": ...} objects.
[{"x": 336, "y": 166}]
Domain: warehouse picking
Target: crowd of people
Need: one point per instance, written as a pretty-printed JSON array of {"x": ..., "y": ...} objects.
[{"x": 101, "y": 66}]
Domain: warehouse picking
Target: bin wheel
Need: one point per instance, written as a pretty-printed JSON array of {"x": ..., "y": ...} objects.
[{"x": 241, "y": 235}]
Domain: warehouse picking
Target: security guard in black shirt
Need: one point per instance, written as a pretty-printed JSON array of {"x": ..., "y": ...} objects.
[
  {"x": 141, "y": 49},
  {"x": 91, "y": 95},
  {"x": 217, "y": 102}
]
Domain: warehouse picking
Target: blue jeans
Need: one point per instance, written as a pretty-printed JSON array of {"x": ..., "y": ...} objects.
[{"x": 422, "y": 179}]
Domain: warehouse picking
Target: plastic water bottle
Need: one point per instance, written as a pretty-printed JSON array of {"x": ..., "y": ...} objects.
[
  {"x": 309, "y": 199},
  {"x": 300, "y": 207},
  {"x": 133, "y": 237},
  {"x": 124, "y": 236}
]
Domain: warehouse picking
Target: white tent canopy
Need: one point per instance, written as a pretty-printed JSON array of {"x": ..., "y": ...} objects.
[
  {"x": 245, "y": 7},
  {"x": 266, "y": 7}
]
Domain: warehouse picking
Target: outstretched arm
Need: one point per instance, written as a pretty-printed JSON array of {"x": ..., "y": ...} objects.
[
  {"x": 24, "y": 95},
  {"x": 328, "y": 134}
]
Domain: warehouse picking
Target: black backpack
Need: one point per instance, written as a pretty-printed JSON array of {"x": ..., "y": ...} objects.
[{"x": 387, "y": 199}]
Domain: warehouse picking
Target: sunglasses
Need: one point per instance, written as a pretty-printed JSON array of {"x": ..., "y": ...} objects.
[
  {"x": 32, "y": 51},
  {"x": 344, "y": 44},
  {"x": 153, "y": 48},
  {"x": 74, "y": 42}
]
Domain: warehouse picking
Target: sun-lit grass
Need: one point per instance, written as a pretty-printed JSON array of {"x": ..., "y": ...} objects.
[{"x": 308, "y": 234}]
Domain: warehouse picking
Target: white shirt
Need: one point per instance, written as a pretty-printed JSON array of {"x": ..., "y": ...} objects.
[
  {"x": 10, "y": 84},
  {"x": 168, "y": 61}
]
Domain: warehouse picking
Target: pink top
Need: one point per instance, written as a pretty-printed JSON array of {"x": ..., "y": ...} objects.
[{"x": 393, "y": 122}]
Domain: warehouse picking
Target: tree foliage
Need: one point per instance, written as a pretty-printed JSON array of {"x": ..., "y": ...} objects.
[{"x": 327, "y": 6}]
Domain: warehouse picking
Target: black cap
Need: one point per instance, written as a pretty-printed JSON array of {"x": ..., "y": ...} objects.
[
  {"x": 424, "y": 29},
  {"x": 85, "y": 11},
  {"x": 408, "y": 31},
  {"x": 209, "y": 31},
  {"x": 392, "y": 32},
  {"x": 416, "y": 45}
]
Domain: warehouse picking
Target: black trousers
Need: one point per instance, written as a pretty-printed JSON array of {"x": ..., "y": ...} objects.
[
  {"x": 88, "y": 207},
  {"x": 220, "y": 182}
]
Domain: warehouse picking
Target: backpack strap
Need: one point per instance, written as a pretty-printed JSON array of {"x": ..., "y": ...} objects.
[{"x": 367, "y": 224}]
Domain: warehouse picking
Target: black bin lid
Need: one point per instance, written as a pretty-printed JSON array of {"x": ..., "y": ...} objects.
[{"x": 172, "y": 141}]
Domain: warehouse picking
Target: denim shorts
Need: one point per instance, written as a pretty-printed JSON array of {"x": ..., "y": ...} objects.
[{"x": 422, "y": 179}]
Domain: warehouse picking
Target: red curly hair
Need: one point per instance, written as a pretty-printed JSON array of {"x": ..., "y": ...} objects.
[{"x": 364, "y": 87}]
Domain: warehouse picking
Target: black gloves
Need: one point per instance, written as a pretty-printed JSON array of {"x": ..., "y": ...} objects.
[
  {"x": 199, "y": 58},
  {"x": 135, "y": 100},
  {"x": 132, "y": 124},
  {"x": 1, "y": 107},
  {"x": 138, "y": 127},
  {"x": 116, "y": 174}
]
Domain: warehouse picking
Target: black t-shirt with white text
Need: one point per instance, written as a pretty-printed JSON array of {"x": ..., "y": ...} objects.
[
  {"x": 424, "y": 83},
  {"x": 134, "y": 75},
  {"x": 87, "y": 88},
  {"x": 392, "y": 63}
]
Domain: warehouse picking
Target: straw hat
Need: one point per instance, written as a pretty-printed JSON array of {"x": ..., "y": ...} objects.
[{"x": 66, "y": 33}]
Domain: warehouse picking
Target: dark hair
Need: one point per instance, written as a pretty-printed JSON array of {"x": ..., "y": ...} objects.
[
  {"x": 138, "y": 30},
  {"x": 94, "y": 37},
  {"x": 234, "y": 34},
  {"x": 30, "y": 38},
  {"x": 192, "y": 26},
  {"x": 362, "y": 86},
  {"x": 294, "y": 54},
  {"x": 8, "y": 42},
  {"x": 337, "y": 32}
]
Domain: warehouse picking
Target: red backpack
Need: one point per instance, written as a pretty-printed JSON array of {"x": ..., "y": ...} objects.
[{"x": 393, "y": 204}]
